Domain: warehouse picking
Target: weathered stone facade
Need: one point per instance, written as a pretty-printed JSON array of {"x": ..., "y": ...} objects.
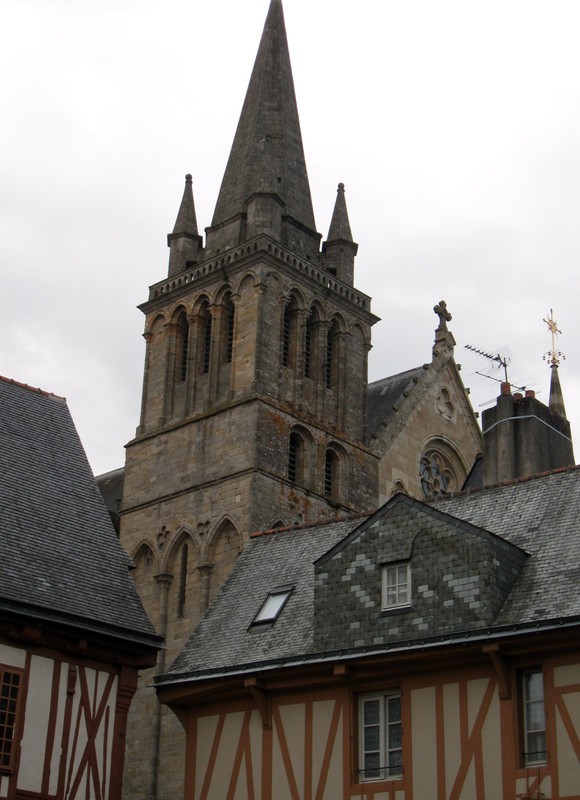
[{"x": 255, "y": 394}]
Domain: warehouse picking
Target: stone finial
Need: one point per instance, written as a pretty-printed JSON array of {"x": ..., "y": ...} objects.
[
  {"x": 444, "y": 341},
  {"x": 444, "y": 316}
]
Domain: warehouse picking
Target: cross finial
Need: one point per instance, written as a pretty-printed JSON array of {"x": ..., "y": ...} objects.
[
  {"x": 553, "y": 355},
  {"x": 444, "y": 316}
]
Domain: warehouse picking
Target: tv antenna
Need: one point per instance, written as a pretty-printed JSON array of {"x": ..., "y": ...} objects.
[{"x": 501, "y": 359}]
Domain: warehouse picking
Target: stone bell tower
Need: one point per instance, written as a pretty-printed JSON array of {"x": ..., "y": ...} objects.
[{"x": 254, "y": 391}]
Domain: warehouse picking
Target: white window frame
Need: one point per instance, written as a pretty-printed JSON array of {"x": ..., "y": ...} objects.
[
  {"x": 533, "y": 706},
  {"x": 272, "y": 606},
  {"x": 380, "y": 757},
  {"x": 396, "y": 585}
]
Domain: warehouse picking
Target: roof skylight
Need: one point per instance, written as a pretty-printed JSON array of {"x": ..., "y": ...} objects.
[{"x": 272, "y": 606}]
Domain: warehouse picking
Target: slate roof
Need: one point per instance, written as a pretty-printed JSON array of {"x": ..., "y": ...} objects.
[
  {"x": 270, "y": 560},
  {"x": 60, "y": 559},
  {"x": 384, "y": 396},
  {"x": 541, "y": 516}
]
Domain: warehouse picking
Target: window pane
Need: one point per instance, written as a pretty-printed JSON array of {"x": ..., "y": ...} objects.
[
  {"x": 371, "y": 712},
  {"x": 371, "y": 766},
  {"x": 534, "y": 686},
  {"x": 272, "y": 607},
  {"x": 372, "y": 738}
]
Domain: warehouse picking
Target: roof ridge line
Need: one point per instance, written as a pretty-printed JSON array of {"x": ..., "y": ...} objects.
[
  {"x": 34, "y": 389},
  {"x": 318, "y": 524},
  {"x": 501, "y": 484}
]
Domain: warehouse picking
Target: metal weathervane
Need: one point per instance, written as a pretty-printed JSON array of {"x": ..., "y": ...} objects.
[{"x": 553, "y": 356}]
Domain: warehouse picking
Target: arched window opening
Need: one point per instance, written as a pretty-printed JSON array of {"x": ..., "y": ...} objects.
[
  {"x": 224, "y": 550},
  {"x": 286, "y": 336},
  {"x": 331, "y": 474},
  {"x": 289, "y": 331},
  {"x": 205, "y": 321},
  {"x": 182, "y": 350},
  {"x": 228, "y": 326},
  {"x": 330, "y": 366},
  {"x": 309, "y": 347},
  {"x": 296, "y": 458},
  {"x": 182, "y": 590}
]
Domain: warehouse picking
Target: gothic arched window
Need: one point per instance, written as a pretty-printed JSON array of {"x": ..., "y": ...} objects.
[
  {"x": 229, "y": 319},
  {"x": 330, "y": 364},
  {"x": 182, "y": 588},
  {"x": 296, "y": 458},
  {"x": 331, "y": 474},
  {"x": 204, "y": 337},
  {"x": 182, "y": 347}
]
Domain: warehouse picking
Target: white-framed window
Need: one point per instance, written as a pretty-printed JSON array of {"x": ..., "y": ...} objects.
[
  {"x": 272, "y": 606},
  {"x": 396, "y": 585},
  {"x": 380, "y": 737},
  {"x": 534, "y": 718}
]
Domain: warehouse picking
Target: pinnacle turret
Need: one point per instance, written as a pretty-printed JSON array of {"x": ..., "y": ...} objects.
[
  {"x": 185, "y": 242},
  {"x": 265, "y": 187},
  {"x": 339, "y": 249}
]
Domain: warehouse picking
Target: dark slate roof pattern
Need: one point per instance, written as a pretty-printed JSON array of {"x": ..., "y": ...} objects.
[
  {"x": 542, "y": 516},
  {"x": 271, "y": 560},
  {"x": 59, "y": 555},
  {"x": 385, "y": 395}
]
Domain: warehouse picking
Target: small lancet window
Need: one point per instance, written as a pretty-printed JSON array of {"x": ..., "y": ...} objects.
[
  {"x": 296, "y": 458},
  {"x": 286, "y": 336},
  {"x": 230, "y": 319},
  {"x": 182, "y": 353},
  {"x": 331, "y": 474},
  {"x": 330, "y": 365},
  {"x": 182, "y": 582},
  {"x": 308, "y": 347},
  {"x": 272, "y": 606},
  {"x": 204, "y": 329}
]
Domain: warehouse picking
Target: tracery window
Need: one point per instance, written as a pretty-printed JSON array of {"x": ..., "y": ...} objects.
[{"x": 437, "y": 473}]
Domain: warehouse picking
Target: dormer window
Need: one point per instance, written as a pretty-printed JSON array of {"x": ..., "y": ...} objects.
[
  {"x": 272, "y": 606},
  {"x": 396, "y": 585}
]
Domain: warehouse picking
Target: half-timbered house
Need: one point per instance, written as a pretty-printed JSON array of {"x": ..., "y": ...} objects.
[
  {"x": 429, "y": 651},
  {"x": 73, "y": 632}
]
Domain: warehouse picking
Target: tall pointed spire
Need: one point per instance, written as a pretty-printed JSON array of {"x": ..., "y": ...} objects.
[
  {"x": 185, "y": 241},
  {"x": 556, "y": 394},
  {"x": 339, "y": 249},
  {"x": 265, "y": 187}
]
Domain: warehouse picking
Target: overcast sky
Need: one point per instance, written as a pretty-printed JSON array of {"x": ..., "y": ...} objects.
[{"x": 454, "y": 125}]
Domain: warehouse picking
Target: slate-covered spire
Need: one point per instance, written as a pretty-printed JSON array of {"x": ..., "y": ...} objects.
[
  {"x": 556, "y": 396},
  {"x": 340, "y": 249},
  {"x": 185, "y": 241},
  {"x": 265, "y": 187}
]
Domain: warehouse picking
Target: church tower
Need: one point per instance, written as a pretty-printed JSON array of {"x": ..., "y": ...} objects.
[{"x": 254, "y": 391}]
